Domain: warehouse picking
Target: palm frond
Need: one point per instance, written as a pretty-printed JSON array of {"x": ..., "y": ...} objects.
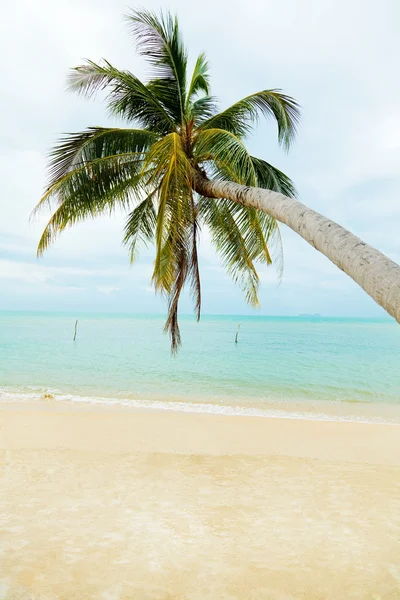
[
  {"x": 200, "y": 81},
  {"x": 127, "y": 96},
  {"x": 78, "y": 149},
  {"x": 241, "y": 116},
  {"x": 271, "y": 178},
  {"x": 261, "y": 234},
  {"x": 180, "y": 275},
  {"x": 193, "y": 270},
  {"x": 171, "y": 172},
  {"x": 227, "y": 237},
  {"x": 159, "y": 40},
  {"x": 255, "y": 235},
  {"x": 272, "y": 235},
  {"x": 227, "y": 152},
  {"x": 89, "y": 191},
  {"x": 140, "y": 224},
  {"x": 186, "y": 267},
  {"x": 202, "y": 108}
]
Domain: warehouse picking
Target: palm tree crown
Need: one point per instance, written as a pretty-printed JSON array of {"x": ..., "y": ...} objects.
[{"x": 174, "y": 131}]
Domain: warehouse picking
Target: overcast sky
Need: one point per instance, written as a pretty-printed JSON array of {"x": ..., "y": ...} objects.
[{"x": 339, "y": 59}]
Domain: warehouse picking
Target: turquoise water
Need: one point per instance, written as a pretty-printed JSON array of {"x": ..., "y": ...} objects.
[{"x": 277, "y": 361}]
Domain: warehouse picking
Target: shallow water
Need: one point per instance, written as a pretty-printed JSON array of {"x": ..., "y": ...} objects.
[{"x": 318, "y": 365}]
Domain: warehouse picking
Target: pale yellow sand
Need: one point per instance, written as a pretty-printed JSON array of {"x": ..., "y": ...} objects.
[{"x": 115, "y": 504}]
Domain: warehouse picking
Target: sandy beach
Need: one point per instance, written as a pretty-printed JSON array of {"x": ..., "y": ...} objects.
[{"x": 111, "y": 503}]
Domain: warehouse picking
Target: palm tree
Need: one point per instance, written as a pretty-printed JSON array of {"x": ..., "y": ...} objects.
[{"x": 180, "y": 165}]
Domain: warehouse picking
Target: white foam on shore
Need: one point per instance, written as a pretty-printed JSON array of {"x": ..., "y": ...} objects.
[{"x": 7, "y": 395}]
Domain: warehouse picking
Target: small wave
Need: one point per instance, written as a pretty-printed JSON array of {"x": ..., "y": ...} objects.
[{"x": 8, "y": 395}]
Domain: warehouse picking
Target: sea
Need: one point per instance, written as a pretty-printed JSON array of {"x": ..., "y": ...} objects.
[{"x": 292, "y": 367}]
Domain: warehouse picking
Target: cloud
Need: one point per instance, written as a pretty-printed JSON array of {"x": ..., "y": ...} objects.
[
  {"x": 29, "y": 272},
  {"x": 107, "y": 290}
]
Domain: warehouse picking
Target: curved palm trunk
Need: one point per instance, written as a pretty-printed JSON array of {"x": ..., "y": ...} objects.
[{"x": 373, "y": 271}]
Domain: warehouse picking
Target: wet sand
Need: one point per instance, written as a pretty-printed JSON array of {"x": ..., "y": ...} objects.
[{"x": 111, "y": 503}]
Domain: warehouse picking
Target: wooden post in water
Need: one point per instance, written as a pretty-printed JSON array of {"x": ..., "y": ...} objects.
[
  {"x": 76, "y": 325},
  {"x": 237, "y": 333}
]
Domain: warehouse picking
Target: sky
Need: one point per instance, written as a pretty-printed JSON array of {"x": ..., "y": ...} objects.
[{"x": 339, "y": 59}]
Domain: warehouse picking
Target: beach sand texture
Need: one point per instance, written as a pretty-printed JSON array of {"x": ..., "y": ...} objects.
[{"x": 114, "y": 504}]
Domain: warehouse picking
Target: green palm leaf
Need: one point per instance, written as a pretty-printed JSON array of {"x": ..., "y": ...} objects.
[
  {"x": 271, "y": 178},
  {"x": 202, "y": 108},
  {"x": 200, "y": 79},
  {"x": 77, "y": 149},
  {"x": 241, "y": 116},
  {"x": 227, "y": 237},
  {"x": 227, "y": 153},
  {"x": 127, "y": 96},
  {"x": 140, "y": 224},
  {"x": 171, "y": 172},
  {"x": 90, "y": 191},
  {"x": 158, "y": 39},
  {"x": 194, "y": 271}
]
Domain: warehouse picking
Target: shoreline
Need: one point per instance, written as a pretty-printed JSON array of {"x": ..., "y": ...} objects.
[
  {"x": 381, "y": 413},
  {"x": 106, "y": 501}
]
